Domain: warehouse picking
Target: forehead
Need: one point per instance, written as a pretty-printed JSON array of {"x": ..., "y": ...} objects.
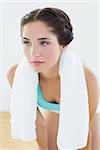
[{"x": 37, "y": 29}]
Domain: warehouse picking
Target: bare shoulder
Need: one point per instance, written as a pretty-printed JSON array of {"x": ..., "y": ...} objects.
[
  {"x": 91, "y": 79},
  {"x": 93, "y": 90},
  {"x": 10, "y": 74}
]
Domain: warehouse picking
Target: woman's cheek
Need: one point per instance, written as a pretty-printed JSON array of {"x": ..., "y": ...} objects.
[
  {"x": 52, "y": 56},
  {"x": 27, "y": 53}
]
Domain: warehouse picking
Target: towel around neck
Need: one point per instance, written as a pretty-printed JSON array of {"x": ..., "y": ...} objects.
[{"x": 74, "y": 111}]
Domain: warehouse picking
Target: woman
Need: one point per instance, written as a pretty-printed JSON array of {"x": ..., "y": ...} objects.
[{"x": 45, "y": 34}]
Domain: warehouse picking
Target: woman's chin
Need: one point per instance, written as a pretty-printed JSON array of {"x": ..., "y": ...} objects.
[{"x": 38, "y": 70}]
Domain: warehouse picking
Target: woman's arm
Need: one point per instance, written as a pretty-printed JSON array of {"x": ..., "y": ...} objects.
[
  {"x": 96, "y": 129},
  {"x": 93, "y": 93},
  {"x": 96, "y": 132}
]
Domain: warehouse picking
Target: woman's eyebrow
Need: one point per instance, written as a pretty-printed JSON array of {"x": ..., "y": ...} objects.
[
  {"x": 44, "y": 39},
  {"x": 25, "y": 38},
  {"x": 38, "y": 39}
]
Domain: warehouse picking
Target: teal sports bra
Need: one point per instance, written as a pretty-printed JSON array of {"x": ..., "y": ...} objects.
[{"x": 45, "y": 104}]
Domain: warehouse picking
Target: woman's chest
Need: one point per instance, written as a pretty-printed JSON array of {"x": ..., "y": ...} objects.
[{"x": 51, "y": 90}]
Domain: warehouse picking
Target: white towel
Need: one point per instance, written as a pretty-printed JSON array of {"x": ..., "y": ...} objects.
[{"x": 74, "y": 111}]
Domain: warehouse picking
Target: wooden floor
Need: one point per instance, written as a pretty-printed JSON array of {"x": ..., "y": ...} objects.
[{"x": 6, "y": 143}]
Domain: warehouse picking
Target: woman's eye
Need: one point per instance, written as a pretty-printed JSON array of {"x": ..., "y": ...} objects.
[
  {"x": 26, "y": 43},
  {"x": 44, "y": 43}
]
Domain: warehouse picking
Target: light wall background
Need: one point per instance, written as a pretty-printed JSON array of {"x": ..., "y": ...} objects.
[{"x": 85, "y": 20}]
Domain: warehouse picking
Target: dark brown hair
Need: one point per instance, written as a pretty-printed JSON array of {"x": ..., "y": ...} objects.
[{"x": 54, "y": 18}]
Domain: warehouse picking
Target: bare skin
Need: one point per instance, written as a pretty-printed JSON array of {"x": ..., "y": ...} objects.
[
  {"x": 96, "y": 132},
  {"x": 44, "y": 128}
]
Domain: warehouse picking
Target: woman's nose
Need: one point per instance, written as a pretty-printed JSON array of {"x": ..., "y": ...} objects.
[{"x": 34, "y": 52}]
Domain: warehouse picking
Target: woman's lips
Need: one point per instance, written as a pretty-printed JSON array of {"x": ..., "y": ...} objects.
[{"x": 37, "y": 63}]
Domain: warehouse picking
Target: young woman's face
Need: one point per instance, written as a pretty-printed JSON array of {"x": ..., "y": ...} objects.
[{"x": 41, "y": 46}]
